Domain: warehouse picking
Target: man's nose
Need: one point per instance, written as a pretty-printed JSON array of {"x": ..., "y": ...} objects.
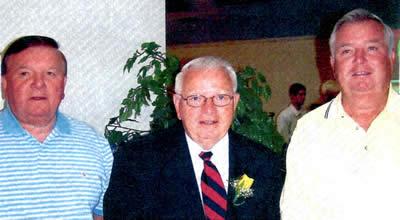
[
  {"x": 209, "y": 105},
  {"x": 38, "y": 80},
  {"x": 359, "y": 56}
]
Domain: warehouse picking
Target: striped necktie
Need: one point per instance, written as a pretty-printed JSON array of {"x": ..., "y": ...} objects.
[{"x": 212, "y": 189}]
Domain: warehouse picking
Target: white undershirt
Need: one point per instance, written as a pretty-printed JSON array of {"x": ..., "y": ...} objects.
[{"x": 220, "y": 159}]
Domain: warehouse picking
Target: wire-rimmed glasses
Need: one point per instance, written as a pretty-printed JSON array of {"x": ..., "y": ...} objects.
[{"x": 219, "y": 100}]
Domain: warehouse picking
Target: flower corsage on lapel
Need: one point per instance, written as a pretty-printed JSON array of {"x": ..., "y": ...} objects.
[{"x": 243, "y": 190}]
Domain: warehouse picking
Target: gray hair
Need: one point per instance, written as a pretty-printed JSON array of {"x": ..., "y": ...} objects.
[
  {"x": 206, "y": 62},
  {"x": 358, "y": 15}
]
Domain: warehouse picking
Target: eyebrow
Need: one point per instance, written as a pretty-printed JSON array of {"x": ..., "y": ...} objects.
[
  {"x": 24, "y": 66},
  {"x": 369, "y": 41}
]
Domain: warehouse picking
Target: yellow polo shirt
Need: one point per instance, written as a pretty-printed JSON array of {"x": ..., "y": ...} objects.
[{"x": 337, "y": 170}]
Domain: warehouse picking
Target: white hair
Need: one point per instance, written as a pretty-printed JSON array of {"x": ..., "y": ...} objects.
[
  {"x": 206, "y": 62},
  {"x": 359, "y": 15}
]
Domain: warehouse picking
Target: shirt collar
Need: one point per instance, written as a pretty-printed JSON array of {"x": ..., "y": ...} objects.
[
  {"x": 62, "y": 124},
  {"x": 220, "y": 158},
  {"x": 218, "y": 148},
  {"x": 391, "y": 104},
  {"x": 294, "y": 110},
  {"x": 14, "y": 127}
]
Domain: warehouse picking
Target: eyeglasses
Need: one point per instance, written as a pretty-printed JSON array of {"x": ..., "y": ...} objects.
[{"x": 219, "y": 100}]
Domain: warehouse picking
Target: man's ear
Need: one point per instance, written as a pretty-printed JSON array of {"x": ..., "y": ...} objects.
[
  {"x": 65, "y": 84},
  {"x": 332, "y": 61},
  {"x": 3, "y": 87},
  {"x": 176, "y": 99},
  {"x": 393, "y": 57},
  {"x": 236, "y": 98}
]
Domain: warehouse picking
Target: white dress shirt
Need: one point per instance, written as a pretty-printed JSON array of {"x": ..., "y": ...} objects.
[
  {"x": 287, "y": 120},
  {"x": 220, "y": 159},
  {"x": 338, "y": 171}
]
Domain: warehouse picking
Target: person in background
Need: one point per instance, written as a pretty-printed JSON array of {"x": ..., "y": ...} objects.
[
  {"x": 287, "y": 118},
  {"x": 328, "y": 91},
  {"x": 190, "y": 171},
  {"x": 51, "y": 166},
  {"x": 343, "y": 160}
]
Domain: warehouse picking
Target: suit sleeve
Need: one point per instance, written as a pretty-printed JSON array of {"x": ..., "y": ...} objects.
[
  {"x": 276, "y": 186},
  {"x": 121, "y": 198}
]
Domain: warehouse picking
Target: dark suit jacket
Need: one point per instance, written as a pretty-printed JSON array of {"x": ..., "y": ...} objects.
[{"x": 153, "y": 178}]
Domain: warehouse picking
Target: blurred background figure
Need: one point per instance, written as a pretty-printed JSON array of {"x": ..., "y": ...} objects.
[
  {"x": 287, "y": 118},
  {"x": 328, "y": 90}
]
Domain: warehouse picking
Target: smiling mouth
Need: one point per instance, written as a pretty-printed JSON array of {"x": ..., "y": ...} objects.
[
  {"x": 35, "y": 98},
  {"x": 361, "y": 73},
  {"x": 208, "y": 122}
]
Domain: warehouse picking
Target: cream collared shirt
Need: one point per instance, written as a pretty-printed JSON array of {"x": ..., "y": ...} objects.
[
  {"x": 220, "y": 159},
  {"x": 338, "y": 171},
  {"x": 287, "y": 120}
]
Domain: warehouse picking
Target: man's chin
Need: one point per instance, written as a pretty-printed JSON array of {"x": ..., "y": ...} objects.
[
  {"x": 40, "y": 115},
  {"x": 361, "y": 90},
  {"x": 207, "y": 139}
]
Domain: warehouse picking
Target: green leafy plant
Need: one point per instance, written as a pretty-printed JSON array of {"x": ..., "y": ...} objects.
[
  {"x": 251, "y": 120},
  {"x": 155, "y": 85}
]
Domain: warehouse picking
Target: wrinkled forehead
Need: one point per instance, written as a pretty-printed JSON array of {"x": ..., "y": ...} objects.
[
  {"x": 35, "y": 51},
  {"x": 202, "y": 71},
  {"x": 369, "y": 30},
  {"x": 368, "y": 23},
  {"x": 207, "y": 78}
]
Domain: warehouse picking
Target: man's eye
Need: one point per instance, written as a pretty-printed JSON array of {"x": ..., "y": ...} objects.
[
  {"x": 221, "y": 97},
  {"x": 24, "y": 73},
  {"x": 195, "y": 98},
  {"x": 346, "y": 51},
  {"x": 50, "y": 73},
  {"x": 372, "y": 48}
]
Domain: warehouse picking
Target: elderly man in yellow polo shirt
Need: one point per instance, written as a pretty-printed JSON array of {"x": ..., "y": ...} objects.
[{"x": 344, "y": 158}]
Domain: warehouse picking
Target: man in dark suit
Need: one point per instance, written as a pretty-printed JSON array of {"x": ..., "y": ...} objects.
[{"x": 187, "y": 172}]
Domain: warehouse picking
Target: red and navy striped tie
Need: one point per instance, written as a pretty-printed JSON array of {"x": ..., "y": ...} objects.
[{"x": 212, "y": 189}]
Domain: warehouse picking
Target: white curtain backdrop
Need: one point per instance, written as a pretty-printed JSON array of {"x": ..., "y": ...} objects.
[{"x": 97, "y": 37}]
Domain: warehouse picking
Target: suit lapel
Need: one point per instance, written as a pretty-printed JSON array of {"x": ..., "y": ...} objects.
[
  {"x": 239, "y": 160},
  {"x": 179, "y": 190}
]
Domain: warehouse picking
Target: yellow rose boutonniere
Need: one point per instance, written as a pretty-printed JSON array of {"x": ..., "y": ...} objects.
[{"x": 243, "y": 190}]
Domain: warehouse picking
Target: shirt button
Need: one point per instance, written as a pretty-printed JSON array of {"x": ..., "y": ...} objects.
[
  {"x": 357, "y": 128},
  {"x": 366, "y": 147}
]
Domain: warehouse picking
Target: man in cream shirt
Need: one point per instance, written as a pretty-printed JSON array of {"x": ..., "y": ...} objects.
[{"x": 344, "y": 158}]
